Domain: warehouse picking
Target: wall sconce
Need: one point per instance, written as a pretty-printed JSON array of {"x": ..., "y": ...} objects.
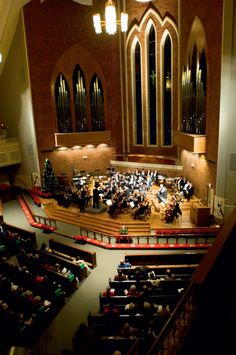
[
  {"x": 192, "y": 165},
  {"x": 85, "y": 157}
]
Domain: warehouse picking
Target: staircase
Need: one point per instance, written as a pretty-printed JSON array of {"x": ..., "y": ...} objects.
[{"x": 96, "y": 223}]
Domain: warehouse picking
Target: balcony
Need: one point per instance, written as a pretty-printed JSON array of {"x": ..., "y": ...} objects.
[
  {"x": 82, "y": 138},
  {"x": 9, "y": 151},
  {"x": 192, "y": 142}
]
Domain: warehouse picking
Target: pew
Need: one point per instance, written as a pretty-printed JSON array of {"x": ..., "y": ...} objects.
[
  {"x": 180, "y": 271},
  {"x": 67, "y": 283},
  {"x": 183, "y": 258},
  {"x": 163, "y": 284},
  {"x": 121, "y": 301},
  {"x": 103, "y": 327},
  {"x": 78, "y": 270},
  {"x": 27, "y": 238},
  {"x": 74, "y": 251}
]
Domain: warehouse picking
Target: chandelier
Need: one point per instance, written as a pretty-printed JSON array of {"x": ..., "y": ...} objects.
[{"x": 110, "y": 22}]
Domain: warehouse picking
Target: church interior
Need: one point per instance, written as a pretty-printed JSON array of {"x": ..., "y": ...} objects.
[{"x": 117, "y": 144}]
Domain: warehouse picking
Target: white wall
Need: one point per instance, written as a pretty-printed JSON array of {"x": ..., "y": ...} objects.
[
  {"x": 226, "y": 172},
  {"x": 16, "y": 106}
]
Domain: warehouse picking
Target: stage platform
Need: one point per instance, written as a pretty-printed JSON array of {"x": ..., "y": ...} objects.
[{"x": 103, "y": 223}]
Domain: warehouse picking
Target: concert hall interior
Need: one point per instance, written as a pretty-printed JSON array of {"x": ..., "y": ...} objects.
[{"x": 113, "y": 145}]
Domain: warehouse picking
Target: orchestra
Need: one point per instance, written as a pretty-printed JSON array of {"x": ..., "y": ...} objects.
[{"x": 127, "y": 192}]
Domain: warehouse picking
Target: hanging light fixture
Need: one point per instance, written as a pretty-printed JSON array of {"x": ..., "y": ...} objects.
[{"x": 110, "y": 22}]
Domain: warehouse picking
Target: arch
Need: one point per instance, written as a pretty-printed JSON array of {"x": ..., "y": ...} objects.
[{"x": 151, "y": 13}]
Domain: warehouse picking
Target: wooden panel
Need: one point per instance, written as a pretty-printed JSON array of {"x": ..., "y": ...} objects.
[
  {"x": 9, "y": 152},
  {"x": 82, "y": 138},
  {"x": 192, "y": 142},
  {"x": 199, "y": 215}
]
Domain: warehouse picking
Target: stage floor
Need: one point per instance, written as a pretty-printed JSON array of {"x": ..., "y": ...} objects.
[{"x": 156, "y": 220}]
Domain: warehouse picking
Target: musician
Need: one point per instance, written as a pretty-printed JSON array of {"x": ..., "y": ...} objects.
[
  {"x": 142, "y": 208},
  {"x": 172, "y": 212},
  {"x": 96, "y": 197},
  {"x": 82, "y": 199},
  {"x": 113, "y": 208},
  {"x": 188, "y": 190},
  {"x": 162, "y": 193}
]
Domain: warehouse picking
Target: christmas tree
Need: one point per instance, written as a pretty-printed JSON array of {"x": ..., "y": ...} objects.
[{"x": 49, "y": 177}]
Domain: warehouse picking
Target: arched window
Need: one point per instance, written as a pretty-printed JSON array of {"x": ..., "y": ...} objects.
[
  {"x": 138, "y": 95},
  {"x": 152, "y": 87},
  {"x": 62, "y": 98},
  {"x": 167, "y": 92},
  {"x": 97, "y": 104},
  {"x": 79, "y": 99}
]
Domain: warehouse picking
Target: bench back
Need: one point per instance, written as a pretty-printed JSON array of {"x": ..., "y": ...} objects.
[{"x": 73, "y": 250}]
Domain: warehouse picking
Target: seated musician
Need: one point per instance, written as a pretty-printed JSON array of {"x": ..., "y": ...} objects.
[
  {"x": 142, "y": 208},
  {"x": 113, "y": 208},
  {"x": 172, "y": 212},
  {"x": 162, "y": 193}
]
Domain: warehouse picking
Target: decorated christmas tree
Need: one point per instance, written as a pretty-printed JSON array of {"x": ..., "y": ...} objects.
[{"x": 49, "y": 177}]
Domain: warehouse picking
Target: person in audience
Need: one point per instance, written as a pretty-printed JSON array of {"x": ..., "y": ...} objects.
[
  {"x": 120, "y": 276},
  {"x": 128, "y": 331},
  {"x": 124, "y": 263},
  {"x": 169, "y": 275},
  {"x": 133, "y": 291},
  {"x": 117, "y": 352},
  {"x": 110, "y": 312},
  {"x": 108, "y": 292},
  {"x": 81, "y": 340}
]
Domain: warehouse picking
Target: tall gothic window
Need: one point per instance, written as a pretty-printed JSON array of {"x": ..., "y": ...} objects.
[
  {"x": 97, "y": 104},
  {"x": 167, "y": 92},
  {"x": 152, "y": 86},
  {"x": 79, "y": 99},
  {"x": 62, "y": 97},
  {"x": 138, "y": 95}
]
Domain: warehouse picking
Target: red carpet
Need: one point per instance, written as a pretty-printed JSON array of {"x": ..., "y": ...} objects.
[
  {"x": 31, "y": 218},
  {"x": 118, "y": 246}
]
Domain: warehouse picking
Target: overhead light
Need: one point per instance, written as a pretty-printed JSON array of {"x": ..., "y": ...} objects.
[{"x": 110, "y": 22}]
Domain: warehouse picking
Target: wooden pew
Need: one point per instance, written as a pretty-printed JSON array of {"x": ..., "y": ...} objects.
[
  {"x": 74, "y": 251},
  {"x": 184, "y": 258},
  {"x": 121, "y": 301},
  {"x": 77, "y": 270},
  {"x": 67, "y": 283},
  {"x": 27, "y": 237},
  {"x": 103, "y": 327},
  {"x": 180, "y": 271},
  {"x": 166, "y": 284}
]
